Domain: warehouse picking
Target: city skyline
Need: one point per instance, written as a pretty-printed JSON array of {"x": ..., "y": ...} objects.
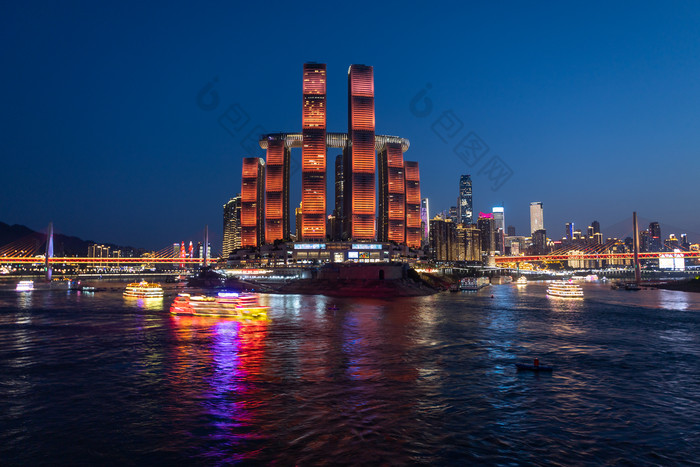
[{"x": 93, "y": 128}]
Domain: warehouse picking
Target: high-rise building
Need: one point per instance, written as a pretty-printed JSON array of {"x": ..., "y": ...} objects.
[
  {"x": 655, "y": 242},
  {"x": 465, "y": 200},
  {"x": 487, "y": 232},
  {"x": 232, "y": 225},
  {"x": 539, "y": 242},
  {"x": 339, "y": 190},
  {"x": 313, "y": 153},
  {"x": 391, "y": 224},
  {"x": 360, "y": 167},
  {"x": 413, "y": 200},
  {"x": 499, "y": 225},
  {"x": 424, "y": 220},
  {"x": 536, "y": 217},
  {"x": 569, "y": 231},
  {"x": 443, "y": 239},
  {"x": 277, "y": 191},
  {"x": 454, "y": 214},
  {"x": 511, "y": 231},
  {"x": 252, "y": 202},
  {"x": 596, "y": 227},
  {"x": 297, "y": 221}
]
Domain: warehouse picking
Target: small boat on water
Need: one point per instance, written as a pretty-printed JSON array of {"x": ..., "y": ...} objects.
[
  {"x": 564, "y": 289},
  {"x": 533, "y": 367},
  {"x": 225, "y": 304},
  {"x": 632, "y": 286},
  {"x": 25, "y": 286},
  {"x": 143, "y": 289},
  {"x": 522, "y": 280}
]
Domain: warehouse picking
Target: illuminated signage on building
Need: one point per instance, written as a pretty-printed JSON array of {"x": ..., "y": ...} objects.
[
  {"x": 309, "y": 246},
  {"x": 366, "y": 246}
]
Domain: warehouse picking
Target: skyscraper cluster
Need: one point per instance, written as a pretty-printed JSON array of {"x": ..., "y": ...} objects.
[{"x": 357, "y": 214}]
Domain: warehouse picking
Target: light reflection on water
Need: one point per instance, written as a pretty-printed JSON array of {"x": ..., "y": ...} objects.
[{"x": 424, "y": 380}]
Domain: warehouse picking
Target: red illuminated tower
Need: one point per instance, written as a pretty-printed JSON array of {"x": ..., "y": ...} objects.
[
  {"x": 277, "y": 191},
  {"x": 361, "y": 163},
  {"x": 313, "y": 153},
  {"x": 413, "y": 237},
  {"x": 391, "y": 224},
  {"x": 252, "y": 200}
]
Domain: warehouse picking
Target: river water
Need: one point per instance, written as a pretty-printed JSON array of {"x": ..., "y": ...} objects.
[{"x": 100, "y": 379}]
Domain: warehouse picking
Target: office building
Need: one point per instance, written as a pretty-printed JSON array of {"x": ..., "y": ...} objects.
[
  {"x": 569, "y": 231},
  {"x": 232, "y": 225},
  {"x": 413, "y": 200},
  {"x": 313, "y": 153},
  {"x": 277, "y": 192},
  {"x": 252, "y": 202},
  {"x": 536, "y": 217},
  {"x": 487, "y": 231},
  {"x": 424, "y": 221},
  {"x": 391, "y": 223},
  {"x": 465, "y": 200},
  {"x": 655, "y": 242}
]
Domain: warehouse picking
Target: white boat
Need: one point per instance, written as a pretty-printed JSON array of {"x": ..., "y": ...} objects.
[
  {"x": 25, "y": 286},
  {"x": 565, "y": 289},
  {"x": 522, "y": 280},
  {"x": 472, "y": 284},
  {"x": 143, "y": 289},
  {"x": 230, "y": 305}
]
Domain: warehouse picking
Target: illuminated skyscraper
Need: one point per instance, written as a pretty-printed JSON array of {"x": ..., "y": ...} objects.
[
  {"x": 536, "y": 217},
  {"x": 232, "y": 225},
  {"x": 313, "y": 153},
  {"x": 413, "y": 221},
  {"x": 277, "y": 192},
  {"x": 499, "y": 226},
  {"x": 424, "y": 220},
  {"x": 362, "y": 160},
  {"x": 252, "y": 202},
  {"x": 569, "y": 230},
  {"x": 465, "y": 200},
  {"x": 391, "y": 224},
  {"x": 655, "y": 236}
]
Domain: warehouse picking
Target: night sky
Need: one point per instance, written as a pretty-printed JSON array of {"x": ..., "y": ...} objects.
[{"x": 593, "y": 109}]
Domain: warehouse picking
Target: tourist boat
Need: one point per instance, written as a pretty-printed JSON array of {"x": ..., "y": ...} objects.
[
  {"x": 25, "y": 286},
  {"x": 472, "y": 284},
  {"x": 522, "y": 280},
  {"x": 143, "y": 289},
  {"x": 225, "y": 304},
  {"x": 632, "y": 286},
  {"x": 565, "y": 289}
]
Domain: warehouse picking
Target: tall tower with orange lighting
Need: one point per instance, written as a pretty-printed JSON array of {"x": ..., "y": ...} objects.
[
  {"x": 391, "y": 223},
  {"x": 277, "y": 191},
  {"x": 252, "y": 202},
  {"x": 361, "y": 163},
  {"x": 413, "y": 236},
  {"x": 313, "y": 153}
]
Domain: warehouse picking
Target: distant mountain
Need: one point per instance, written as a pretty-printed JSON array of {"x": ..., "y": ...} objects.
[{"x": 64, "y": 245}]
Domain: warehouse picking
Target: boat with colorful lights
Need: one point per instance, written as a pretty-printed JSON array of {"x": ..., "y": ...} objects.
[
  {"x": 25, "y": 286},
  {"x": 522, "y": 280},
  {"x": 565, "y": 289},
  {"x": 143, "y": 289},
  {"x": 225, "y": 304}
]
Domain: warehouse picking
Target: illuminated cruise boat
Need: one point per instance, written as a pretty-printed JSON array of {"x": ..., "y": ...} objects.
[
  {"x": 143, "y": 289},
  {"x": 564, "y": 289},
  {"x": 225, "y": 304},
  {"x": 25, "y": 286},
  {"x": 522, "y": 280}
]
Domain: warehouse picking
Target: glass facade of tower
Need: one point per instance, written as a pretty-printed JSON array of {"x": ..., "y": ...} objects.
[
  {"x": 277, "y": 192},
  {"x": 466, "y": 215},
  {"x": 232, "y": 225},
  {"x": 252, "y": 202},
  {"x": 313, "y": 153},
  {"x": 362, "y": 152},
  {"x": 391, "y": 224},
  {"x": 413, "y": 221},
  {"x": 536, "y": 217}
]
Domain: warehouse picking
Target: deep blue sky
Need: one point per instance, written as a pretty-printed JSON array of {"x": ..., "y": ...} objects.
[{"x": 594, "y": 107}]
